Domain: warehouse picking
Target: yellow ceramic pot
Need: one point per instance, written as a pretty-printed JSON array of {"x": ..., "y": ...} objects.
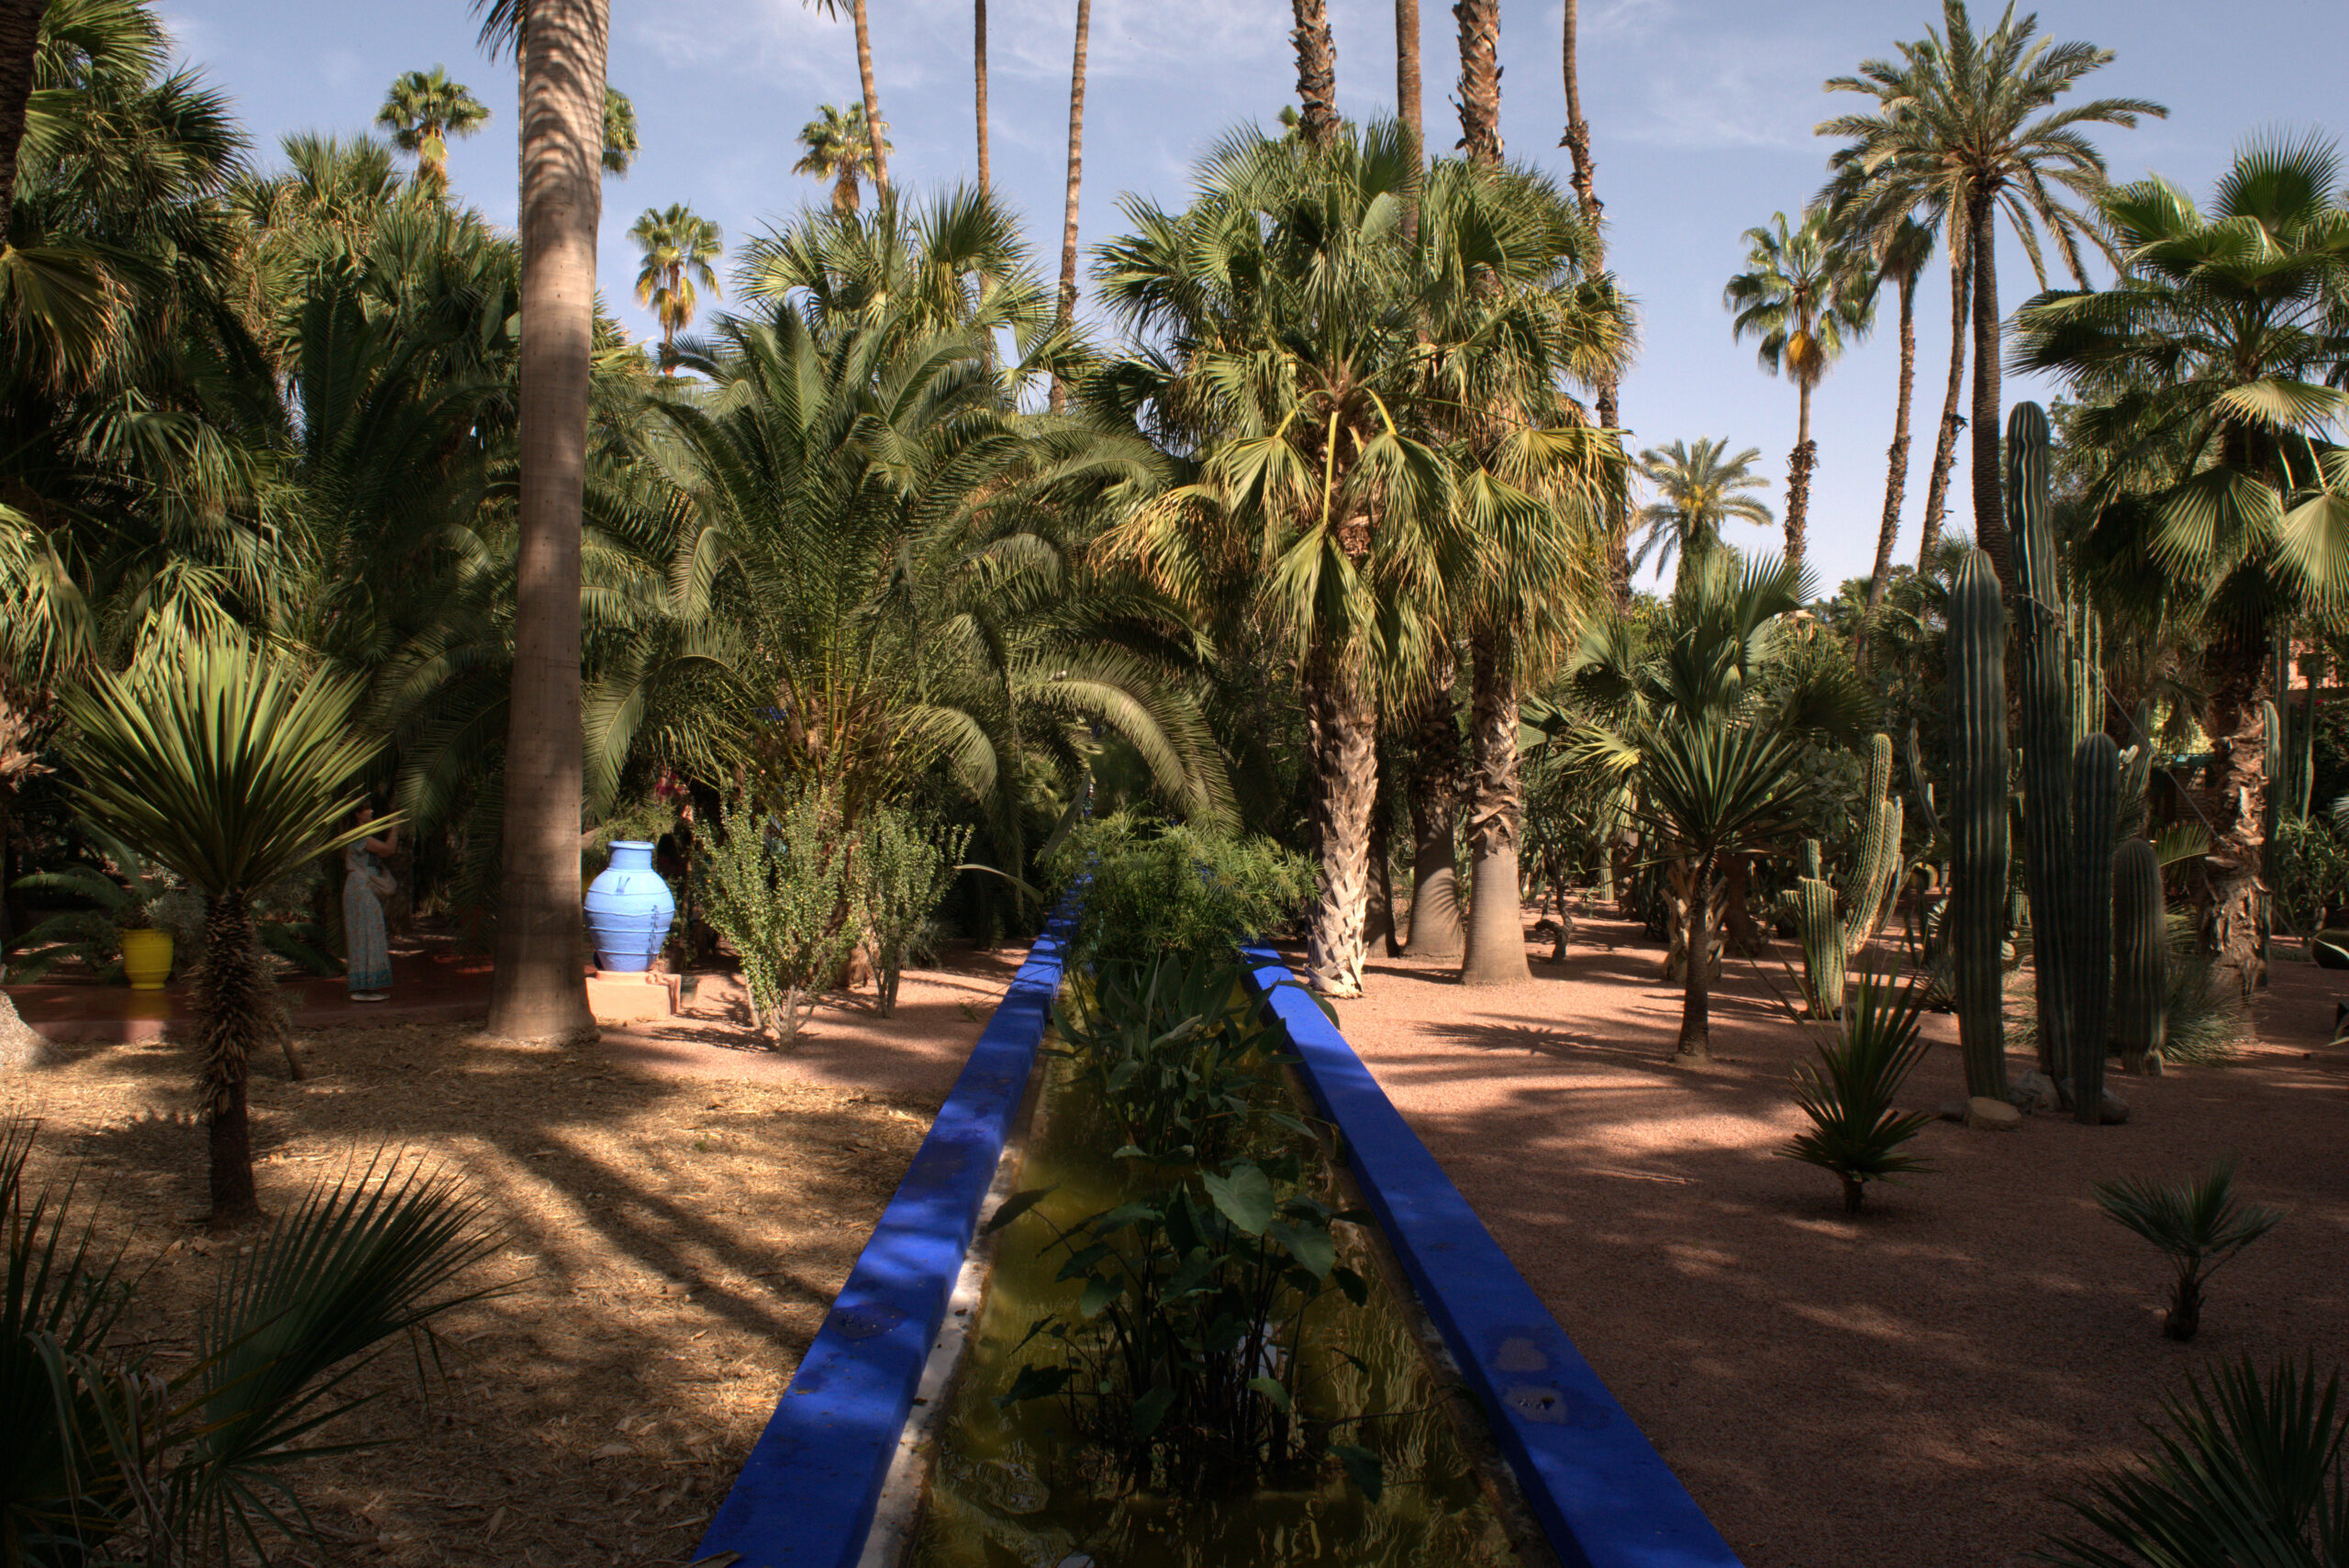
[{"x": 147, "y": 958}]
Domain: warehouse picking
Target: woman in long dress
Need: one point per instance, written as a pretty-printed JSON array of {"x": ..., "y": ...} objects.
[{"x": 365, "y": 884}]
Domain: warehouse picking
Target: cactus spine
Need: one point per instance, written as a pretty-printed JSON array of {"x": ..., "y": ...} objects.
[
  {"x": 2140, "y": 955},
  {"x": 2048, "y": 730},
  {"x": 1976, "y": 921},
  {"x": 2096, "y": 795}
]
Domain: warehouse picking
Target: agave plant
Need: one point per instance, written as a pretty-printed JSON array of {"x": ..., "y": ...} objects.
[
  {"x": 1855, "y": 1130},
  {"x": 2251, "y": 1473},
  {"x": 2197, "y": 1223},
  {"x": 232, "y": 771}
]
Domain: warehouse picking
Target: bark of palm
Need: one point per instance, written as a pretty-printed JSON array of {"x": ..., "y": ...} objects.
[
  {"x": 1407, "y": 73},
  {"x": 1952, "y": 422},
  {"x": 1800, "y": 463},
  {"x": 1317, "y": 71},
  {"x": 540, "y": 988},
  {"x": 1895, "y": 478},
  {"x": 1577, "y": 141},
  {"x": 1379, "y": 929},
  {"x": 1496, "y": 945},
  {"x": 1989, "y": 507},
  {"x": 979, "y": 74},
  {"x": 235, "y": 1012},
  {"x": 2238, "y": 726},
  {"x": 1435, "y": 813},
  {"x": 1480, "y": 80},
  {"x": 1064, "y": 314},
  {"x": 872, "y": 98},
  {"x": 1345, "y": 766},
  {"x": 1696, "y": 989},
  {"x": 19, "y": 41}
]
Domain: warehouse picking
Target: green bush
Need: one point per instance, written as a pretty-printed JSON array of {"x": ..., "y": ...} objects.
[
  {"x": 905, "y": 868},
  {"x": 782, "y": 886},
  {"x": 1159, "y": 887}
]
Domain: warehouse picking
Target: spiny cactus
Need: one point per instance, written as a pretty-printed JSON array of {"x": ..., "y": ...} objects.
[
  {"x": 2096, "y": 792},
  {"x": 1975, "y": 922},
  {"x": 2140, "y": 955},
  {"x": 1818, "y": 922},
  {"x": 1847, "y": 919},
  {"x": 2048, "y": 729}
]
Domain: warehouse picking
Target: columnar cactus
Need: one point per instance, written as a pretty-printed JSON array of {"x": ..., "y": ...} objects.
[
  {"x": 1976, "y": 921},
  {"x": 2140, "y": 955},
  {"x": 2048, "y": 729},
  {"x": 1868, "y": 894},
  {"x": 1821, "y": 931},
  {"x": 2095, "y": 794}
]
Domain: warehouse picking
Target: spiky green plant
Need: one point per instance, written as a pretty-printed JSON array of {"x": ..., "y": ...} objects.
[
  {"x": 2250, "y": 1473},
  {"x": 2197, "y": 1223},
  {"x": 1855, "y": 1132}
]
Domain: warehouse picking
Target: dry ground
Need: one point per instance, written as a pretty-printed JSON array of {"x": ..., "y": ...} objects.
[{"x": 682, "y": 1207}]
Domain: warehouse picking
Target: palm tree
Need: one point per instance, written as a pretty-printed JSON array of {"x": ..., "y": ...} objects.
[
  {"x": 2208, "y": 360},
  {"x": 1407, "y": 72},
  {"x": 875, "y": 128},
  {"x": 540, "y": 990},
  {"x": 1899, "y": 257},
  {"x": 1064, "y": 312},
  {"x": 1577, "y": 141},
  {"x": 233, "y": 772},
  {"x": 678, "y": 246},
  {"x": 979, "y": 73},
  {"x": 836, "y": 147},
  {"x": 422, "y": 111},
  {"x": 20, "y": 42},
  {"x": 1698, "y": 489},
  {"x": 1966, "y": 127},
  {"x": 1317, "y": 71},
  {"x": 1808, "y": 297},
  {"x": 619, "y": 132}
]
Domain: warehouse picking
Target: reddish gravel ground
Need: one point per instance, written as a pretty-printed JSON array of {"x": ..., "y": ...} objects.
[{"x": 1905, "y": 1388}]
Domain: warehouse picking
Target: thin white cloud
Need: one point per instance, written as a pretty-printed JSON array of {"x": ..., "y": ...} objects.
[{"x": 1735, "y": 92}]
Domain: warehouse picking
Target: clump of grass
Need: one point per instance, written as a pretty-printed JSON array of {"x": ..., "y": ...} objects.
[
  {"x": 2197, "y": 1223},
  {"x": 1855, "y": 1132}
]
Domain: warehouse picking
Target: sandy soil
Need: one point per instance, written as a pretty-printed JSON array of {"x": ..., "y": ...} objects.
[
  {"x": 682, "y": 1207},
  {"x": 1905, "y": 1388}
]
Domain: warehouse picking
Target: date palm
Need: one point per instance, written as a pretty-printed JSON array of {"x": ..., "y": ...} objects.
[
  {"x": 874, "y": 129},
  {"x": 233, "y": 772},
  {"x": 1698, "y": 488},
  {"x": 1317, "y": 71},
  {"x": 1064, "y": 312},
  {"x": 1807, "y": 294},
  {"x": 1900, "y": 256},
  {"x": 1969, "y": 125},
  {"x": 841, "y": 148},
  {"x": 678, "y": 246},
  {"x": 423, "y": 110}
]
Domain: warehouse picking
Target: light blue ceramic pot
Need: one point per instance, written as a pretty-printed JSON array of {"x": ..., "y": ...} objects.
[{"x": 628, "y": 910}]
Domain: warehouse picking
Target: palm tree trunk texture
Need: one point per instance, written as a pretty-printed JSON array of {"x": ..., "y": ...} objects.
[
  {"x": 1945, "y": 443},
  {"x": 871, "y": 100},
  {"x": 1435, "y": 811},
  {"x": 1496, "y": 946},
  {"x": 1989, "y": 487},
  {"x": 1800, "y": 463},
  {"x": 1896, "y": 477},
  {"x": 979, "y": 73},
  {"x": 1317, "y": 71},
  {"x": 1696, "y": 993},
  {"x": 1345, "y": 764},
  {"x": 2239, "y": 727},
  {"x": 1064, "y": 314},
  {"x": 1406, "y": 75},
  {"x": 1379, "y": 928},
  {"x": 1480, "y": 80},
  {"x": 19, "y": 41},
  {"x": 235, "y": 1012},
  {"x": 1577, "y": 141},
  {"x": 540, "y": 987}
]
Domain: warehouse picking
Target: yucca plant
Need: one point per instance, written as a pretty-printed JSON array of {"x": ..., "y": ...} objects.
[
  {"x": 232, "y": 769},
  {"x": 1855, "y": 1132},
  {"x": 2249, "y": 1476},
  {"x": 2197, "y": 1223}
]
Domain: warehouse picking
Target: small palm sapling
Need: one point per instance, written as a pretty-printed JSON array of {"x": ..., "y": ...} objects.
[{"x": 2197, "y": 1223}]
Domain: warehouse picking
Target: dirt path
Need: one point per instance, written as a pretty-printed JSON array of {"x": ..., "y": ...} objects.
[{"x": 1905, "y": 1388}]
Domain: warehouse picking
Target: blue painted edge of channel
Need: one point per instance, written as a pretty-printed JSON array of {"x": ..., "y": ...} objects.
[
  {"x": 806, "y": 1495},
  {"x": 1603, "y": 1494}
]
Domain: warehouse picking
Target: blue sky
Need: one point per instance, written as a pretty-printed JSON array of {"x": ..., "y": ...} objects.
[{"x": 1701, "y": 114}]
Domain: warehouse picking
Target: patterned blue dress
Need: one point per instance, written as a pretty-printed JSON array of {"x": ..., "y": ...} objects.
[{"x": 362, "y": 920}]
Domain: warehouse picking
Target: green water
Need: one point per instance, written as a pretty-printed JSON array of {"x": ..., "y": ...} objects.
[{"x": 1007, "y": 1493}]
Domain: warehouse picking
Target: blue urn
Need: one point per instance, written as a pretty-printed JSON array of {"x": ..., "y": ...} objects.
[{"x": 628, "y": 910}]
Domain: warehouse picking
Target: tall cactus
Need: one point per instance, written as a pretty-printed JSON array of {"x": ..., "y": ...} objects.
[
  {"x": 2048, "y": 729},
  {"x": 2096, "y": 795},
  {"x": 2140, "y": 955},
  {"x": 1820, "y": 928},
  {"x": 1976, "y": 920},
  {"x": 1846, "y": 920}
]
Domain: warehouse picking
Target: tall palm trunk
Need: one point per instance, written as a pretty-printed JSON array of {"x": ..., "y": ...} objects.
[
  {"x": 1064, "y": 314},
  {"x": 2240, "y": 665},
  {"x": 1407, "y": 94},
  {"x": 236, "y": 1013},
  {"x": 1945, "y": 443},
  {"x": 871, "y": 100},
  {"x": 540, "y": 989},
  {"x": 1435, "y": 812},
  {"x": 1317, "y": 71},
  {"x": 1895, "y": 478},
  {"x": 1577, "y": 141},
  {"x": 1480, "y": 80},
  {"x": 1345, "y": 763},
  {"x": 1989, "y": 486},
  {"x": 1495, "y": 947},
  {"x": 979, "y": 72},
  {"x": 20, "y": 42},
  {"x": 1695, "y": 1043},
  {"x": 1800, "y": 463}
]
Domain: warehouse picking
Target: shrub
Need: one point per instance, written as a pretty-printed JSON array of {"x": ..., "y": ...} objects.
[
  {"x": 781, "y": 887},
  {"x": 128, "y": 895},
  {"x": 1160, "y": 887},
  {"x": 905, "y": 869},
  {"x": 2197, "y": 1223},
  {"x": 1854, "y": 1132},
  {"x": 2252, "y": 1473}
]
